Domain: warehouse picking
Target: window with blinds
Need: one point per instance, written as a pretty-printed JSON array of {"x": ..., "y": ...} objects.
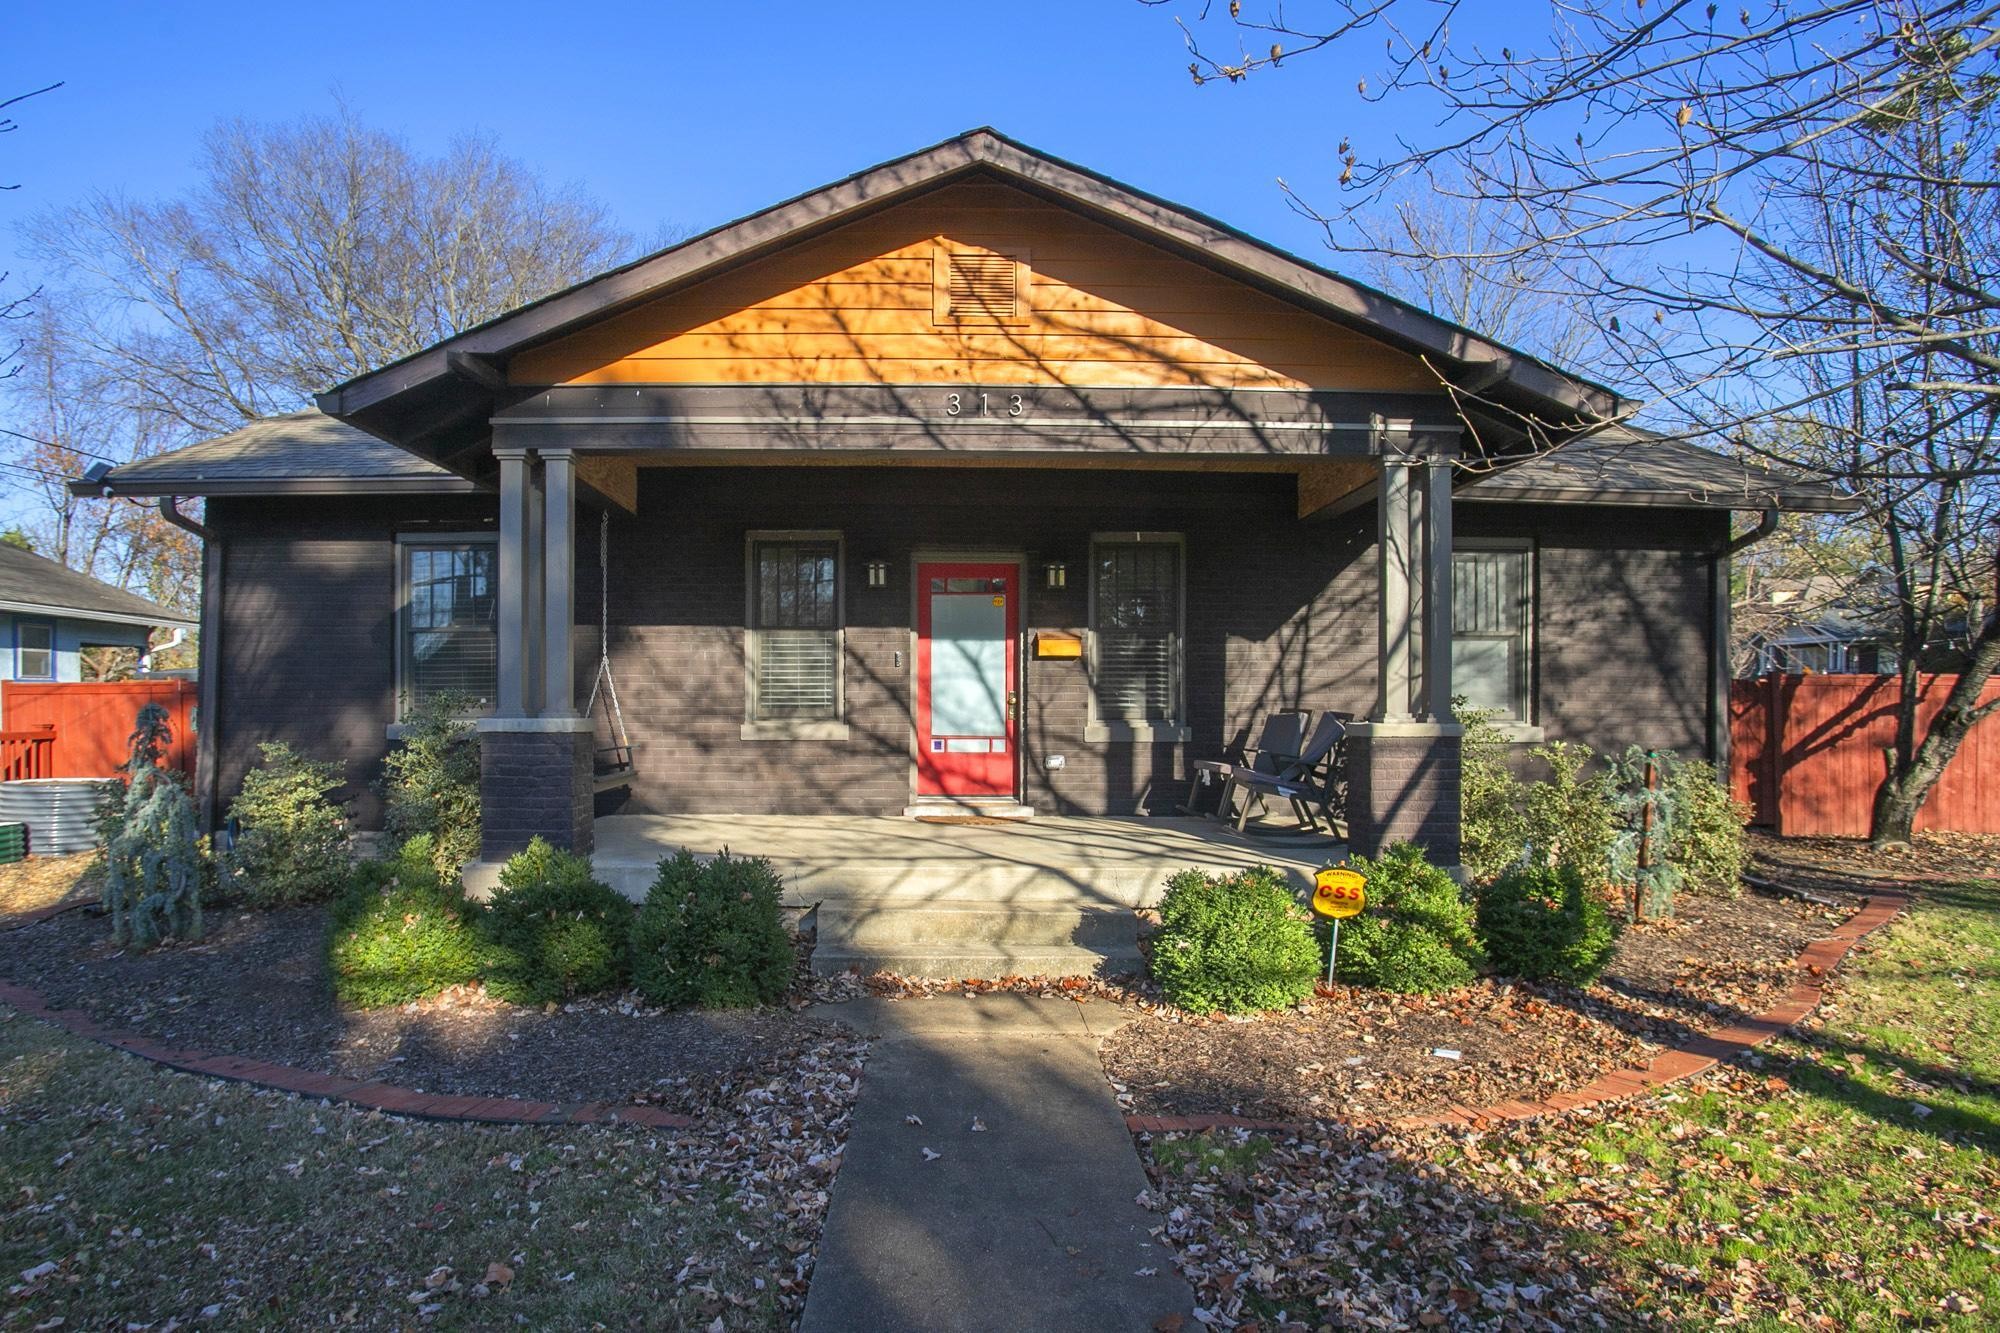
[
  {"x": 795, "y": 630},
  {"x": 450, "y": 640},
  {"x": 1135, "y": 631},
  {"x": 1490, "y": 621}
]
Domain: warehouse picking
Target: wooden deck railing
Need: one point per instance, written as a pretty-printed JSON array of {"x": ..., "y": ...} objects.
[{"x": 28, "y": 753}]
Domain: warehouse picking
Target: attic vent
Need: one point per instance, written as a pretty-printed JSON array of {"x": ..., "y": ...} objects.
[{"x": 980, "y": 286}]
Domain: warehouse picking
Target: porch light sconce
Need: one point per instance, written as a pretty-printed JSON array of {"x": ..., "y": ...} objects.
[
  {"x": 1058, "y": 575},
  {"x": 878, "y": 573}
]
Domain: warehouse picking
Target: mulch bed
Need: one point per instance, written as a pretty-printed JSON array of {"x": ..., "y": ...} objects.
[
  {"x": 38, "y": 883},
  {"x": 257, "y": 987},
  {"x": 1364, "y": 1055}
]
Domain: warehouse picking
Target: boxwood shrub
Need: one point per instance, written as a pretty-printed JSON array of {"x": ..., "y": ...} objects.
[
  {"x": 399, "y": 934},
  {"x": 710, "y": 934},
  {"x": 1235, "y": 943},
  {"x": 291, "y": 843},
  {"x": 552, "y": 932},
  {"x": 1543, "y": 923},
  {"x": 1416, "y": 935}
]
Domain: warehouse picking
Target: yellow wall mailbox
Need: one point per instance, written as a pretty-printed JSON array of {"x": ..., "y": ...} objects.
[{"x": 1050, "y": 643}]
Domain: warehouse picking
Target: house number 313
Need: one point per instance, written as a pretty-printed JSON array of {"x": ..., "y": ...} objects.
[{"x": 982, "y": 404}]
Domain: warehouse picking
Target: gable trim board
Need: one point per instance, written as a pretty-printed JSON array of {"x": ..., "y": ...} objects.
[{"x": 428, "y": 403}]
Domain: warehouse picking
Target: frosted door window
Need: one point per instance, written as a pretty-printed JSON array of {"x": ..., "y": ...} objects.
[
  {"x": 968, "y": 665},
  {"x": 1489, "y": 630}
]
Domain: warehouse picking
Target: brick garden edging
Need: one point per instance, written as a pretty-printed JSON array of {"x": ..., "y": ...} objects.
[
  {"x": 372, "y": 1096},
  {"x": 1697, "y": 1057}
]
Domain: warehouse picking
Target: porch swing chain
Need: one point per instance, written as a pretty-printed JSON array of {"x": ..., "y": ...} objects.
[{"x": 603, "y": 680}]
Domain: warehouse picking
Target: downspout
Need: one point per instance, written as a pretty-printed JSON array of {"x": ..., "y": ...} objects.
[
  {"x": 1721, "y": 672},
  {"x": 208, "y": 662}
]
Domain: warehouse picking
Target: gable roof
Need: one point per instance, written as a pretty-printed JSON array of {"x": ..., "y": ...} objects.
[
  {"x": 441, "y": 398},
  {"x": 38, "y": 586},
  {"x": 309, "y": 453}
]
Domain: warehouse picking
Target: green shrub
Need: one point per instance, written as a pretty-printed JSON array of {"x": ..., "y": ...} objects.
[
  {"x": 154, "y": 870},
  {"x": 710, "y": 933},
  {"x": 1710, "y": 853},
  {"x": 1569, "y": 817},
  {"x": 553, "y": 932},
  {"x": 1235, "y": 943},
  {"x": 1543, "y": 923},
  {"x": 291, "y": 841},
  {"x": 1495, "y": 833},
  {"x": 399, "y": 933},
  {"x": 430, "y": 781},
  {"x": 1416, "y": 934}
]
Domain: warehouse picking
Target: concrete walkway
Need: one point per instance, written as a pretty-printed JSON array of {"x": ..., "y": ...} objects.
[{"x": 1027, "y": 1223}]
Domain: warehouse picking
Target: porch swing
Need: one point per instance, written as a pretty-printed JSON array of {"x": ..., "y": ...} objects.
[{"x": 611, "y": 764}]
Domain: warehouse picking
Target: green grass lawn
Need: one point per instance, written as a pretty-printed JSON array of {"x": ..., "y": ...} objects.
[
  {"x": 131, "y": 1194},
  {"x": 1844, "y": 1177}
]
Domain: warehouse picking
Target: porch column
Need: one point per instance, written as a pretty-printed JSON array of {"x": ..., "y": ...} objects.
[
  {"x": 535, "y": 769},
  {"x": 512, "y": 685},
  {"x": 558, "y": 582},
  {"x": 1437, "y": 587},
  {"x": 1402, "y": 770}
]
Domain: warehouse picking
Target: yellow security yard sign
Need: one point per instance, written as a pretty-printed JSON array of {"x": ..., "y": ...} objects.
[{"x": 1339, "y": 893}]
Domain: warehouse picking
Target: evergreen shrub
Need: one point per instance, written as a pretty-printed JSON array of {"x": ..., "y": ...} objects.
[
  {"x": 1543, "y": 923},
  {"x": 552, "y": 932},
  {"x": 154, "y": 870},
  {"x": 711, "y": 934},
  {"x": 430, "y": 781},
  {"x": 399, "y": 933},
  {"x": 1233, "y": 943},
  {"x": 1416, "y": 934},
  {"x": 291, "y": 841}
]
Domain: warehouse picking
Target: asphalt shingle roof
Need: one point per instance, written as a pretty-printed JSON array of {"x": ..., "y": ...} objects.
[
  {"x": 30, "y": 581},
  {"x": 282, "y": 453}
]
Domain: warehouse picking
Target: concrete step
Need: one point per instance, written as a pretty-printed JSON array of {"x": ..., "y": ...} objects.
[
  {"x": 983, "y": 964},
  {"x": 893, "y": 923},
  {"x": 954, "y": 939}
]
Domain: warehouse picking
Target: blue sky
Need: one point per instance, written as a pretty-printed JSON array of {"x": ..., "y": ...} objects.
[{"x": 677, "y": 114}]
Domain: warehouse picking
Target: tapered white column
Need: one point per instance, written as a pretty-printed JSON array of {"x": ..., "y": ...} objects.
[
  {"x": 558, "y": 582},
  {"x": 514, "y": 645}
]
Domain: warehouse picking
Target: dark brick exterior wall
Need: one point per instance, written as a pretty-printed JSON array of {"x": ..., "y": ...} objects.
[
  {"x": 534, "y": 783},
  {"x": 1278, "y": 613},
  {"x": 308, "y": 627},
  {"x": 1404, "y": 789}
]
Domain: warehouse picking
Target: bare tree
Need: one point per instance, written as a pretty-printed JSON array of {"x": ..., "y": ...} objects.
[
  {"x": 14, "y": 307},
  {"x": 65, "y": 416},
  {"x": 1786, "y": 218},
  {"x": 309, "y": 253}
]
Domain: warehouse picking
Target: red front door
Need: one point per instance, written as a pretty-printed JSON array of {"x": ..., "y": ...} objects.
[{"x": 968, "y": 621}]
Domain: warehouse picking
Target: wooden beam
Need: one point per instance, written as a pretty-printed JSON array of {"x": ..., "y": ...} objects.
[
  {"x": 1324, "y": 485},
  {"x": 616, "y": 479}
]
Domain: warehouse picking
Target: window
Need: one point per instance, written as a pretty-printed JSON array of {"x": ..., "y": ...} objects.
[
  {"x": 795, "y": 628},
  {"x": 450, "y": 640},
  {"x": 1490, "y": 603},
  {"x": 34, "y": 650},
  {"x": 1135, "y": 629}
]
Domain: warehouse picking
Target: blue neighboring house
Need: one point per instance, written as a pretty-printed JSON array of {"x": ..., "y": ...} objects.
[{"x": 52, "y": 613}]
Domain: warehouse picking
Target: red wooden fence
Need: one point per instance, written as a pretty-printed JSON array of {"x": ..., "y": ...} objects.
[
  {"x": 93, "y": 721},
  {"x": 26, "y": 754},
  {"x": 1807, "y": 753}
]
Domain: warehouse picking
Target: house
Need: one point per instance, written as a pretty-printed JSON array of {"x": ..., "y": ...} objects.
[
  {"x": 53, "y": 614},
  {"x": 974, "y": 481}
]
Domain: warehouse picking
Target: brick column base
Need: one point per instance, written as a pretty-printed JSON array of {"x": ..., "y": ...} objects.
[
  {"x": 535, "y": 780},
  {"x": 1403, "y": 786}
]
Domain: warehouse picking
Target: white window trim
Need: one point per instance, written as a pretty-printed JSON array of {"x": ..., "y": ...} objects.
[
  {"x": 1098, "y": 729},
  {"x": 404, "y": 541},
  {"x": 834, "y": 728},
  {"x": 1526, "y": 728}
]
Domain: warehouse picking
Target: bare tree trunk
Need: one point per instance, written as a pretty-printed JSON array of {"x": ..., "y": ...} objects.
[{"x": 1908, "y": 785}]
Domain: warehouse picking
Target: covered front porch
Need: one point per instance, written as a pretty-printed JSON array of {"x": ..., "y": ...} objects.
[{"x": 1046, "y": 896}]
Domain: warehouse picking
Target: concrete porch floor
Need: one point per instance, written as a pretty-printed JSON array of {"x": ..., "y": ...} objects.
[
  {"x": 1030, "y": 897},
  {"x": 1083, "y": 861}
]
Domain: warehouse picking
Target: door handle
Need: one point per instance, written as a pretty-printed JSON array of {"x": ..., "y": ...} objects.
[{"x": 1012, "y": 701}]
